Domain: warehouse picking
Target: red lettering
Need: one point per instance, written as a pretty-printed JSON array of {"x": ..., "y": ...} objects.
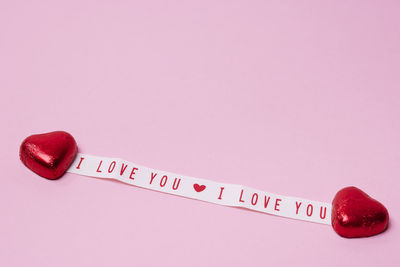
[
  {"x": 163, "y": 181},
  {"x": 220, "y": 193},
  {"x": 297, "y": 207},
  {"x": 254, "y": 199},
  {"x": 320, "y": 213},
  {"x": 177, "y": 185},
  {"x": 266, "y": 201},
  {"x": 98, "y": 168},
  {"x": 241, "y": 195},
  {"x": 123, "y": 168},
  {"x": 133, "y": 172},
  {"x": 309, "y": 211},
  {"x": 111, "y": 167},
  {"x": 277, "y": 204},
  {"x": 79, "y": 165},
  {"x": 153, "y": 175}
]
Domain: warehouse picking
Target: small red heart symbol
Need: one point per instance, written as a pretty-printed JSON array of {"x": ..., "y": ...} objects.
[
  {"x": 356, "y": 214},
  {"x": 49, "y": 154},
  {"x": 198, "y": 187}
]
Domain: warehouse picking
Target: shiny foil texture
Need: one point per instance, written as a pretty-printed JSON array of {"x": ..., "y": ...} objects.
[
  {"x": 356, "y": 214},
  {"x": 50, "y": 154}
]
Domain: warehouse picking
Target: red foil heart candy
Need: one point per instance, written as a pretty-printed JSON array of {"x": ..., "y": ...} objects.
[
  {"x": 49, "y": 154},
  {"x": 356, "y": 214}
]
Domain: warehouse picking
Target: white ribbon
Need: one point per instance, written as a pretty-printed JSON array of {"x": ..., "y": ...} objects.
[{"x": 201, "y": 189}]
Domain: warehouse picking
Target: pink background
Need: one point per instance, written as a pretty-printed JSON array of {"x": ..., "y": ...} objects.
[{"x": 296, "y": 98}]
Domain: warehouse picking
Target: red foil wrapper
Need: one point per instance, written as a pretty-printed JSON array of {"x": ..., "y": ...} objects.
[
  {"x": 356, "y": 214},
  {"x": 50, "y": 154}
]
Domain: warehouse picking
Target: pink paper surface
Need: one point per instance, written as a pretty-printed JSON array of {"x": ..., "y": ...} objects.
[{"x": 298, "y": 98}]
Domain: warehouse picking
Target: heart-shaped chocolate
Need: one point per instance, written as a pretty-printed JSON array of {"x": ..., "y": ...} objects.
[
  {"x": 356, "y": 214},
  {"x": 49, "y": 154}
]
